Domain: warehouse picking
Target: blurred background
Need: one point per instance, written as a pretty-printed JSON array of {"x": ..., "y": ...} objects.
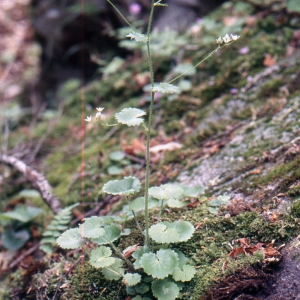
[{"x": 46, "y": 42}]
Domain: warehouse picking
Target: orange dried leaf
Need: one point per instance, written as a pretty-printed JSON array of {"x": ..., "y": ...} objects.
[
  {"x": 269, "y": 61},
  {"x": 236, "y": 251}
]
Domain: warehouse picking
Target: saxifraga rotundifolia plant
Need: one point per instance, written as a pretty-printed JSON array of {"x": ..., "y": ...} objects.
[{"x": 153, "y": 269}]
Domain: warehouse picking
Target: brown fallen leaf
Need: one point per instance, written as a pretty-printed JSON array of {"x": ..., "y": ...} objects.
[
  {"x": 236, "y": 251},
  {"x": 129, "y": 250},
  {"x": 136, "y": 148},
  {"x": 171, "y": 146},
  {"x": 269, "y": 61}
]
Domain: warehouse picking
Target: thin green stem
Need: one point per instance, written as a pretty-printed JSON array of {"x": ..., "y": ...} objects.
[
  {"x": 160, "y": 210},
  {"x": 147, "y": 179},
  {"x": 195, "y": 66},
  {"x": 121, "y": 15},
  {"x": 137, "y": 223},
  {"x": 119, "y": 252}
]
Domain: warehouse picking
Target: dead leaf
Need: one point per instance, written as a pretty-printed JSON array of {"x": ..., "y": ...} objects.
[
  {"x": 128, "y": 251},
  {"x": 193, "y": 204},
  {"x": 229, "y": 21},
  {"x": 6, "y": 257},
  {"x": 171, "y": 146},
  {"x": 224, "y": 266},
  {"x": 269, "y": 61},
  {"x": 136, "y": 148},
  {"x": 244, "y": 242},
  {"x": 255, "y": 171},
  {"x": 236, "y": 251}
]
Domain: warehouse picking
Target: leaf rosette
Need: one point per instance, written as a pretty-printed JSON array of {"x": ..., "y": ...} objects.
[{"x": 161, "y": 264}]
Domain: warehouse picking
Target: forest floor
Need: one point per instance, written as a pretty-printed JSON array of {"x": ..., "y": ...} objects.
[{"x": 234, "y": 129}]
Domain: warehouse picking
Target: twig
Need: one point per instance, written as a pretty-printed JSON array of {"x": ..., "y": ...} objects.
[
  {"x": 98, "y": 210},
  {"x": 67, "y": 274},
  {"x": 37, "y": 179},
  {"x": 136, "y": 159},
  {"x": 22, "y": 256}
]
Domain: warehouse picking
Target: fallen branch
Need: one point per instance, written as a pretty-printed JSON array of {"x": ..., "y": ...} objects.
[
  {"x": 25, "y": 254},
  {"x": 37, "y": 179}
]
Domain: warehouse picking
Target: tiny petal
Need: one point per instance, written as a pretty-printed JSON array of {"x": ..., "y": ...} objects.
[
  {"x": 99, "y": 109},
  {"x": 88, "y": 119},
  {"x": 98, "y": 115},
  {"x": 227, "y": 39},
  {"x": 219, "y": 40},
  {"x": 234, "y": 37}
]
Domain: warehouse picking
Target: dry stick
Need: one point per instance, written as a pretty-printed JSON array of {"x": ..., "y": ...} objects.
[
  {"x": 97, "y": 210},
  {"x": 22, "y": 256},
  {"x": 37, "y": 179},
  {"x": 66, "y": 275}
]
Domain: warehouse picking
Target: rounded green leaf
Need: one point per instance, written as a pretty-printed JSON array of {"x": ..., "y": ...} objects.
[
  {"x": 166, "y": 192},
  {"x": 114, "y": 170},
  {"x": 130, "y": 116},
  {"x": 171, "y": 232},
  {"x": 132, "y": 279},
  {"x": 182, "y": 259},
  {"x": 92, "y": 227},
  {"x": 142, "y": 288},
  {"x": 192, "y": 191},
  {"x": 161, "y": 264},
  {"x": 165, "y": 289},
  {"x": 138, "y": 255},
  {"x": 117, "y": 155},
  {"x": 114, "y": 271},
  {"x": 293, "y": 6},
  {"x": 184, "y": 229},
  {"x": 161, "y": 233},
  {"x": 176, "y": 203},
  {"x": 139, "y": 37},
  {"x": 184, "y": 273},
  {"x": 70, "y": 239},
  {"x": 141, "y": 298},
  {"x": 14, "y": 240},
  {"x": 139, "y": 203},
  {"x": 166, "y": 88},
  {"x": 111, "y": 233},
  {"x": 127, "y": 186},
  {"x": 101, "y": 257},
  {"x": 23, "y": 213}
]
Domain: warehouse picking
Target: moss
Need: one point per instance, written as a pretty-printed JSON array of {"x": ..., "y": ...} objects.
[
  {"x": 209, "y": 245},
  {"x": 271, "y": 87},
  {"x": 294, "y": 190},
  {"x": 287, "y": 173},
  {"x": 295, "y": 209},
  {"x": 88, "y": 283}
]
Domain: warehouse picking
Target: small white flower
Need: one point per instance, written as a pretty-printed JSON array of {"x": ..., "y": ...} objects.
[
  {"x": 88, "y": 119},
  {"x": 234, "y": 37},
  {"x": 98, "y": 115},
  {"x": 219, "y": 40},
  {"x": 99, "y": 109},
  {"x": 227, "y": 39}
]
